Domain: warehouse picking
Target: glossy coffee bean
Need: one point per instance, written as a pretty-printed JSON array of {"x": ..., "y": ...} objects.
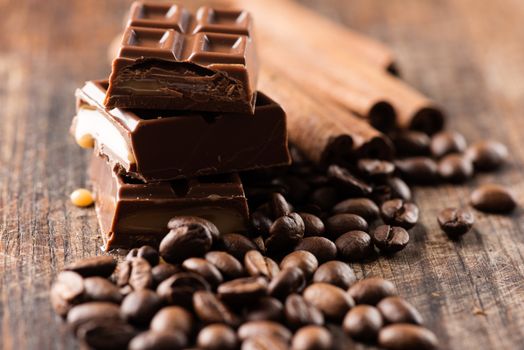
[
  {"x": 173, "y": 319},
  {"x": 407, "y": 337},
  {"x": 185, "y": 242},
  {"x": 336, "y": 273},
  {"x": 152, "y": 340},
  {"x": 447, "y": 142},
  {"x": 237, "y": 245},
  {"x": 194, "y": 222},
  {"x": 288, "y": 280},
  {"x": 375, "y": 169},
  {"x": 312, "y": 338},
  {"x": 397, "y": 212},
  {"x": 362, "y": 207},
  {"x": 300, "y": 313},
  {"x": 354, "y": 246},
  {"x": 302, "y": 259},
  {"x": 259, "y": 223},
  {"x": 418, "y": 170},
  {"x": 390, "y": 239},
  {"x": 339, "y": 224},
  {"x": 217, "y": 337},
  {"x": 278, "y": 205},
  {"x": 179, "y": 288},
  {"x": 372, "y": 290},
  {"x": 264, "y": 309},
  {"x": 493, "y": 198},
  {"x": 210, "y": 309},
  {"x": 257, "y": 264},
  {"x": 102, "y": 266},
  {"x": 487, "y": 155},
  {"x": 455, "y": 168},
  {"x": 162, "y": 272},
  {"x": 363, "y": 323},
  {"x": 106, "y": 335},
  {"x": 66, "y": 291},
  {"x": 136, "y": 273},
  {"x": 265, "y": 343},
  {"x": 263, "y": 328},
  {"x": 398, "y": 189},
  {"x": 285, "y": 233},
  {"x": 227, "y": 264},
  {"x": 313, "y": 226},
  {"x": 334, "y": 302},
  {"x": 101, "y": 289},
  {"x": 243, "y": 290},
  {"x": 456, "y": 222},
  {"x": 398, "y": 310},
  {"x": 96, "y": 311},
  {"x": 322, "y": 248},
  {"x": 140, "y": 306},
  {"x": 147, "y": 252},
  {"x": 347, "y": 181},
  {"x": 411, "y": 143},
  {"x": 205, "y": 269}
]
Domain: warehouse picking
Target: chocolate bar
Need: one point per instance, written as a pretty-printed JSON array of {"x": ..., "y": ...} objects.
[
  {"x": 132, "y": 213},
  {"x": 172, "y": 59},
  {"x": 166, "y": 145}
]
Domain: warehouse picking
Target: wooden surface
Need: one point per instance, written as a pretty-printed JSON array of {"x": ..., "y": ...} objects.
[{"x": 467, "y": 54}]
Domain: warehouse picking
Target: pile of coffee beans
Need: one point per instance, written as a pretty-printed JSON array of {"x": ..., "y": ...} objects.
[{"x": 209, "y": 291}]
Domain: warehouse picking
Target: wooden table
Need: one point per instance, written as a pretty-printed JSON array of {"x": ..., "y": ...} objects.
[{"x": 467, "y": 54}]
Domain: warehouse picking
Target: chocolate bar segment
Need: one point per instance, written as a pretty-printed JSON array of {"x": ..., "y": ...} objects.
[
  {"x": 166, "y": 145},
  {"x": 132, "y": 213},
  {"x": 172, "y": 59}
]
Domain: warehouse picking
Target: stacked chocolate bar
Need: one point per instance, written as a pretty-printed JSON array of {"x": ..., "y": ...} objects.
[{"x": 177, "y": 120}]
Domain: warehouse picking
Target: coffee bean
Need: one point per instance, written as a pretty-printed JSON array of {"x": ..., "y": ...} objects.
[
  {"x": 487, "y": 155},
  {"x": 411, "y": 143},
  {"x": 390, "y": 239},
  {"x": 312, "y": 338},
  {"x": 278, "y": 205},
  {"x": 258, "y": 265},
  {"x": 324, "y": 197},
  {"x": 265, "y": 343},
  {"x": 66, "y": 291},
  {"x": 334, "y": 302},
  {"x": 227, "y": 264},
  {"x": 493, "y": 198},
  {"x": 163, "y": 271},
  {"x": 300, "y": 313},
  {"x": 362, "y": 207},
  {"x": 96, "y": 311},
  {"x": 136, "y": 273},
  {"x": 336, "y": 273},
  {"x": 217, "y": 337},
  {"x": 205, "y": 269},
  {"x": 322, "y": 248},
  {"x": 173, "y": 318},
  {"x": 302, "y": 259},
  {"x": 152, "y": 340},
  {"x": 106, "y": 335},
  {"x": 285, "y": 233},
  {"x": 102, "y": 266},
  {"x": 313, "y": 226},
  {"x": 289, "y": 280},
  {"x": 398, "y": 310},
  {"x": 101, "y": 289},
  {"x": 179, "y": 288},
  {"x": 243, "y": 290},
  {"x": 418, "y": 170},
  {"x": 237, "y": 245},
  {"x": 339, "y": 224},
  {"x": 210, "y": 309},
  {"x": 398, "y": 189},
  {"x": 265, "y": 329},
  {"x": 363, "y": 323},
  {"x": 147, "y": 252},
  {"x": 455, "y": 168},
  {"x": 194, "y": 222},
  {"x": 185, "y": 242},
  {"x": 447, "y": 142},
  {"x": 354, "y": 246},
  {"x": 259, "y": 223},
  {"x": 372, "y": 290},
  {"x": 375, "y": 169},
  {"x": 265, "y": 308},
  {"x": 347, "y": 181},
  {"x": 139, "y": 307},
  {"x": 397, "y": 212},
  {"x": 407, "y": 337},
  {"x": 456, "y": 222}
]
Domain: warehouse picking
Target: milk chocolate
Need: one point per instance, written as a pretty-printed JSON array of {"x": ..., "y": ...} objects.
[{"x": 132, "y": 213}]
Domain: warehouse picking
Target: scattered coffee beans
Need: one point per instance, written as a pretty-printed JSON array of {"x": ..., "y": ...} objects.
[
  {"x": 140, "y": 306},
  {"x": 186, "y": 241},
  {"x": 302, "y": 259},
  {"x": 227, "y": 264},
  {"x": 493, "y": 198},
  {"x": 259, "y": 265},
  {"x": 152, "y": 340},
  {"x": 354, "y": 246},
  {"x": 173, "y": 318},
  {"x": 456, "y": 222}
]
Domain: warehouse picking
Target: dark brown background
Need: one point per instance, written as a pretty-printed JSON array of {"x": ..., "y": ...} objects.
[{"x": 467, "y": 54}]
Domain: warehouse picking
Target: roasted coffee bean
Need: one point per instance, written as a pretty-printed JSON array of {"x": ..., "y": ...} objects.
[
  {"x": 397, "y": 212},
  {"x": 265, "y": 343},
  {"x": 226, "y": 263},
  {"x": 139, "y": 274},
  {"x": 372, "y": 290},
  {"x": 411, "y": 143},
  {"x": 347, "y": 181},
  {"x": 194, "y": 221},
  {"x": 102, "y": 266},
  {"x": 390, "y": 239},
  {"x": 339, "y": 224},
  {"x": 101, "y": 289},
  {"x": 362, "y": 207},
  {"x": 300, "y": 313},
  {"x": 265, "y": 329},
  {"x": 333, "y": 301},
  {"x": 173, "y": 318},
  {"x": 324, "y": 197},
  {"x": 258, "y": 265},
  {"x": 354, "y": 246},
  {"x": 398, "y": 189},
  {"x": 398, "y": 310},
  {"x": 418, "y": 170},
  {"x": 336, "y": 273},
  {"x": 210, "y": 309},
  {"x": 243, "y": 290},
  {"x": 217, "y": 337},
  {"x": 205, "y": 269},
  {"x": 363, "y": 323},
  {"x": 163, "y": 271},
  {"x": 185, "y": 242},
  {"x": 313, "y": 226},
  {"x": 147, "y": 252},
  {"x": 106, "y": 335},
  {"x": 139, "y": 307},
  {"x": 407, "y": 337},
  {"x": 487, "y": 155},
  {"x": 302, "y": 259},
  {"x": 279, "y": 206},
  {"x": 66, "y": 291},
  {"x": 285, "y": 233},
  {"x": 493, "y": 198},
  {"x": 266, "y": 308},
  {"x": 179, "y": 288},
  {"x": 321, "y": 247},
  {"x": 455, "y": 222},
  {"x": 375, "y": 169},
  {"x": 98, "y": 311},
  {"x": 447, "y": 142},
  {"x": 259, "y": 223},
  {"x": 237, "y": 245},
  {"x": 289, "y": 280},
  {"x": 312, "y": 338},
  {"x": 152, "y": 340},
  {"x": 455, "y": 168}
]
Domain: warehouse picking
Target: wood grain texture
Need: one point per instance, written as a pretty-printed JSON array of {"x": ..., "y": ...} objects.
[{"x": 466, "y": 54}]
